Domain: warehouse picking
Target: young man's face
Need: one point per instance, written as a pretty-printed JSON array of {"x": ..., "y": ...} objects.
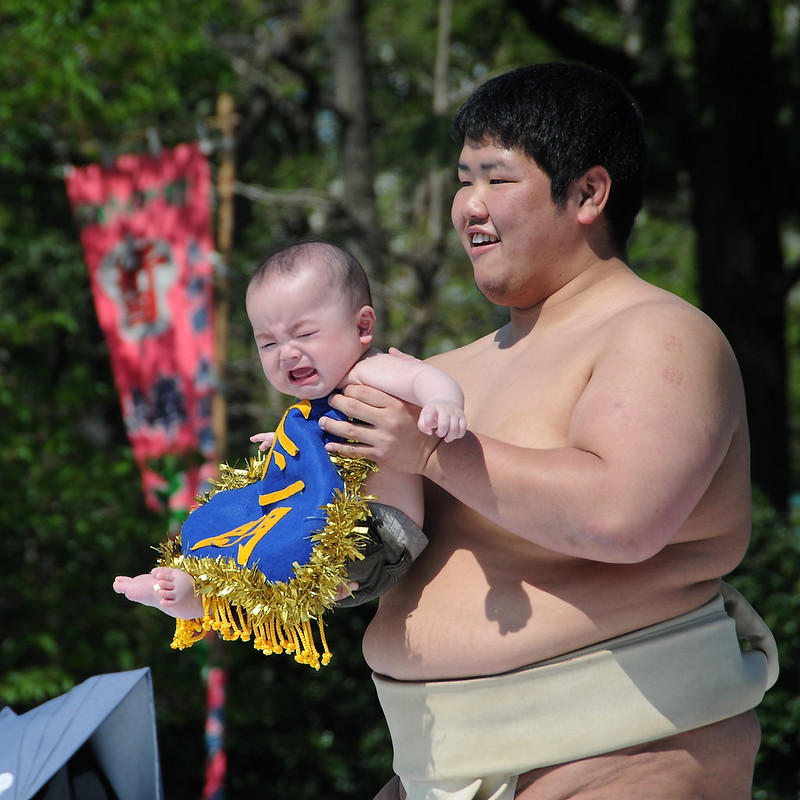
[
  {"x": 308, "y": 337},
  {"x": 512, "y": 231}
]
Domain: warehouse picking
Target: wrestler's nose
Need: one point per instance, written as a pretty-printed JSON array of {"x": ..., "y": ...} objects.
[{"x": 473, "y": 208}]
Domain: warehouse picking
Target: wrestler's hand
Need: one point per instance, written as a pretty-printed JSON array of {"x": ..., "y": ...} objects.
[
  {"x": 381, "y": 428},
  {"x": 265, "y": 440}
]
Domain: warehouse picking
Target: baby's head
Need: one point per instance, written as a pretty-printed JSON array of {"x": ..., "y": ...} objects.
[
  {"x": 329, "y": 263},
  {"x": 311, "y": 310}
]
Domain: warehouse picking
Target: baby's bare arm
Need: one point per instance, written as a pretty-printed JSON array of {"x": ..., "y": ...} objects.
[{"x": 417, "y": 382}]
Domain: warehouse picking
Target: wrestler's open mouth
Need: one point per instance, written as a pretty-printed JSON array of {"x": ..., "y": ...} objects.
[{"x": 480, "y": 239}]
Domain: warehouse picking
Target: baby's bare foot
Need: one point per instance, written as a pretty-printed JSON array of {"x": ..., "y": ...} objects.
[
  {"x": 178, "y": 598},
  {"x": 140, "y": 589},
  {"x": 170, "y": 590}
]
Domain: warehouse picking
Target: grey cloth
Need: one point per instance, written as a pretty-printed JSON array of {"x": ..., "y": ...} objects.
[
  {"x": 394, "y": 543},
  {"x": 96, "y": 741}
]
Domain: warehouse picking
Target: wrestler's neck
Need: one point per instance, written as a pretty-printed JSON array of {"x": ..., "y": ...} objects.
[{"x": 568, "y": 298}]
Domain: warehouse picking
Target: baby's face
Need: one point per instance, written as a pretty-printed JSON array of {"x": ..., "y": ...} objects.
[{"x": 308, "y": 337}]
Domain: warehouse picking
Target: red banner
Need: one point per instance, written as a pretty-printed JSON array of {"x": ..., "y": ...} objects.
[{"x": 146, "y": 232}]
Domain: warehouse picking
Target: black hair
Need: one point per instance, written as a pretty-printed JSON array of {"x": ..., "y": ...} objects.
[
  {"x": 567, "y": 118},
  {"x": 342, "y": 267}
]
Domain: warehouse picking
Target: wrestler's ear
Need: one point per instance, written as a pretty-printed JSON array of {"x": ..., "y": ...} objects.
[
  {"x": 592, "y": 192},
  {"x": 365, "y": 320}
]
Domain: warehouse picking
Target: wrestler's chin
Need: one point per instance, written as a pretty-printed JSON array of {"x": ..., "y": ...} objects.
[
  {"x": 495, "y": 293},
  {"x": 494, "y": 285}
]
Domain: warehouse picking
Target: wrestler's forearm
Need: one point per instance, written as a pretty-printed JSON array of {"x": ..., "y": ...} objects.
[{"x": 564, "y": 499}]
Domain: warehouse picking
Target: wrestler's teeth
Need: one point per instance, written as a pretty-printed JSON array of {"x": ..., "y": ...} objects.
[{"x": 483, "y": 238}]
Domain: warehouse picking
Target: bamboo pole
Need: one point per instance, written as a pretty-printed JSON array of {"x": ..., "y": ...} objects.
[
  {"x": 225, "y": 120},
  {"x": 216, "y": 678}
]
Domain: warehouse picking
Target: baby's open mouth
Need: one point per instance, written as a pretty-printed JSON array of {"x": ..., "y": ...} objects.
[{"x": 302, "y": 374}]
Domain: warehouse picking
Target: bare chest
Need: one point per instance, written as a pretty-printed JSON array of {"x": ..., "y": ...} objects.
[{"x": 525, "y": 395}]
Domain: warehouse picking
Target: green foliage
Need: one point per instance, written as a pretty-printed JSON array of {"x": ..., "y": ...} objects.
[
  {"x": 661, "y": 250},
  {"x": 78, "y": 72},
  {"x": 320, "y": 734}
]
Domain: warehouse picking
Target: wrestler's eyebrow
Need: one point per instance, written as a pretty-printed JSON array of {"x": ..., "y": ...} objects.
[{"x": 486, "y": 166}]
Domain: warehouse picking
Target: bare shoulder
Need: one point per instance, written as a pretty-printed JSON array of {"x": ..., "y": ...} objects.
[
  {"x": 668, "y": 325},
  {"x": 663, "y": 348},
  {"x": 463, "y": 354}
]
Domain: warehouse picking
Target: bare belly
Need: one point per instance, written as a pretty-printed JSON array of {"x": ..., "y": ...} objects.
[
  {"x": 465, "y": 611},
  {"x": 714, "y": 762}
]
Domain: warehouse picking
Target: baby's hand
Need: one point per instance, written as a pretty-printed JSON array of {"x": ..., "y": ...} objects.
[
  {"x": 444, "y": 419},
  {"x": 345, "y": 590},
  {"x": 393, "y": 351},
  {"x": 265, "y": 439}
]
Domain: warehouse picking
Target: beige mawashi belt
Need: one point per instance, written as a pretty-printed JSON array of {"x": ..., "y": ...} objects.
[{"x": 471, "y": 738}]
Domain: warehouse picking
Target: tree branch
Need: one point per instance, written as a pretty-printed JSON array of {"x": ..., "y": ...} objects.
[
  {"x": 291, "y": 198},
  {"x": 543, "y": 19}
]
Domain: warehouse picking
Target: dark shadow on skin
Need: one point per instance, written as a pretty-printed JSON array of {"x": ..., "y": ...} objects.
[
  {"x": 502, "y": 322},
  {"x": 509, "y": 606}
]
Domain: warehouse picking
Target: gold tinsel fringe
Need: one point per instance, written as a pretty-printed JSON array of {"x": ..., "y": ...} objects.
[
  {"x": 241, "y": 604},
  {"x": 269, "y": 635}
]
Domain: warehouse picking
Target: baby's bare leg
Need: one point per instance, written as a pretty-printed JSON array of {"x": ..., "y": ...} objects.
[{"x": 170, "y": 590}]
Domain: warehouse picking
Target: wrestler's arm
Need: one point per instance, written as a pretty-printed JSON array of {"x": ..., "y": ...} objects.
[
  {"x": 645, "y": 439},
  {"x": 417, "y": 382}
]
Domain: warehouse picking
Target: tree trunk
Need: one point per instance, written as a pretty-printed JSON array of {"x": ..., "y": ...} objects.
[
  {"x": 736, "y": 216},
  {"x": 427, "y": 261},
  {"x": 361, "y": 234}
]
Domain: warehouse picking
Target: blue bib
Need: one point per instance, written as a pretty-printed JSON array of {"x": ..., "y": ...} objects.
[
  {"x": 270, "y": 523},
  {"x": 269, "y": 548}
]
